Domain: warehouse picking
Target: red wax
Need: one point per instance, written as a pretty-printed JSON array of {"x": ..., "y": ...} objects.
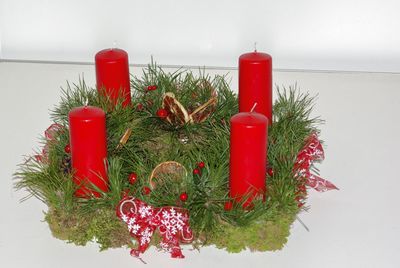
[
  {"x": 248, "y": 156},
  {"x": 112, "y": 74},
  {"x": 88, "y": 142},
  {"x": 255, "y": 83}
]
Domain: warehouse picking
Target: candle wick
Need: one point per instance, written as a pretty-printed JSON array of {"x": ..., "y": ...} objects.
[
  {"x": 114, "y": 45},
  {"x": 254, "y": 106},
  {"x": 255, "y": 46}
]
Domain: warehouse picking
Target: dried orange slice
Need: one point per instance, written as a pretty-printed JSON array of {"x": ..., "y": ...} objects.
[
  {"x": 171, "y": 169},
  {"x": 177, "y": 114}
]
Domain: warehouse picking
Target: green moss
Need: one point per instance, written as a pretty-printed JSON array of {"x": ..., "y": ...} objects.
[
  {"x": 103, "y": 227},
  {"x": 109, "y": 232},
  {"x": 261, "y": 235}
]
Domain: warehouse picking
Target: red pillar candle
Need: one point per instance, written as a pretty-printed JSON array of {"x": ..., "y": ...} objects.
[
  {"x": 88, "y": 144},
  {"x": 255, "y": 83},
  {"x": 112, "y": 74},
  {"x": 248, "y": 156}
]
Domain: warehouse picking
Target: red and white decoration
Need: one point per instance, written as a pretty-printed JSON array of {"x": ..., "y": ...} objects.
[
  {"x": 311, "y": 152},
  {"x": 143, "y": 220},
  {"x": 50, "y": 135}
]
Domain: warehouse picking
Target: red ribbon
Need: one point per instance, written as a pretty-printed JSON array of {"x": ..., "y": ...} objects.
[
  {"x": 312, "y": 152},
  {"x": 143, "y": 220},
  {"x": 50, "y": 135}
]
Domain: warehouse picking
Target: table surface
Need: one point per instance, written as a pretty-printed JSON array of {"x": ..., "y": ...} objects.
[{"x": 357, "y": 226}]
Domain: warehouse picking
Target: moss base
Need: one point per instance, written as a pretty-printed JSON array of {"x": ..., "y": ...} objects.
[{"x": 108, "y": 231}]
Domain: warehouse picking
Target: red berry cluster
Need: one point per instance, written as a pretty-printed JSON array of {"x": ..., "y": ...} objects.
[
  {"x": 132, "y": 180},
  {"x": 152, "y": 87},
  {"x": 200, "y": 166}
]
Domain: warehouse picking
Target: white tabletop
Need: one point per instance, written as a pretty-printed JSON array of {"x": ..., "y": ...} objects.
[{"x": 358, "y": 226}]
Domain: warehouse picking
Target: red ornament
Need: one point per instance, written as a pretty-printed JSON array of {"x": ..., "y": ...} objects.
[
  {"x": 151, "y": 88},
  {"x": 146, "y": 190},
  {"x": 132, "y": 178},
  {"x": 162, "y": 113},
  {"x": 228, "y": 206},
  {"x": 201, "y": 165},
  {"x": 196, "y": 171},
  {"x": 183, "y": 197},
  {"x": 67, "y": 149}
]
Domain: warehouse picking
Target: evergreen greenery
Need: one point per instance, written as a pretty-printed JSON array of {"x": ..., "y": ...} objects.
[{"x": 153, "y": 141}]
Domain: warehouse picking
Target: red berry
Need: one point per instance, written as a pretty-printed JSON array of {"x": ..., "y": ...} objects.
[
  {"x": 67, "y": 149},
  {"x": 139, "y": 107},
  {"x": 228, "y": 206},
  {"x": 196, "y": 171},
  {"x": 162, "y": 113},
  {"x": 270, "y": 172},
  {"x": 132, "y": 178},
  {"x": 146, "y": 190},
  {"x": 201, "y": 165},
  {"x": 183, "y": 197}
]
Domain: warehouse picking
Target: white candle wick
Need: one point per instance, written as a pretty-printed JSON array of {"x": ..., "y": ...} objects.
[
  {"x": 254, "y": 106},
  {"x": 114, "y": 45}
]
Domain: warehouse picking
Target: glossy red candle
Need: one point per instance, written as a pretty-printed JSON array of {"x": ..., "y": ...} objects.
[
  {"x": 255, "y": 83},
  {"x": 248, "y": 156},
  {"x": 88, "y": 144},
  {"x": 112, "y": 74}
]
